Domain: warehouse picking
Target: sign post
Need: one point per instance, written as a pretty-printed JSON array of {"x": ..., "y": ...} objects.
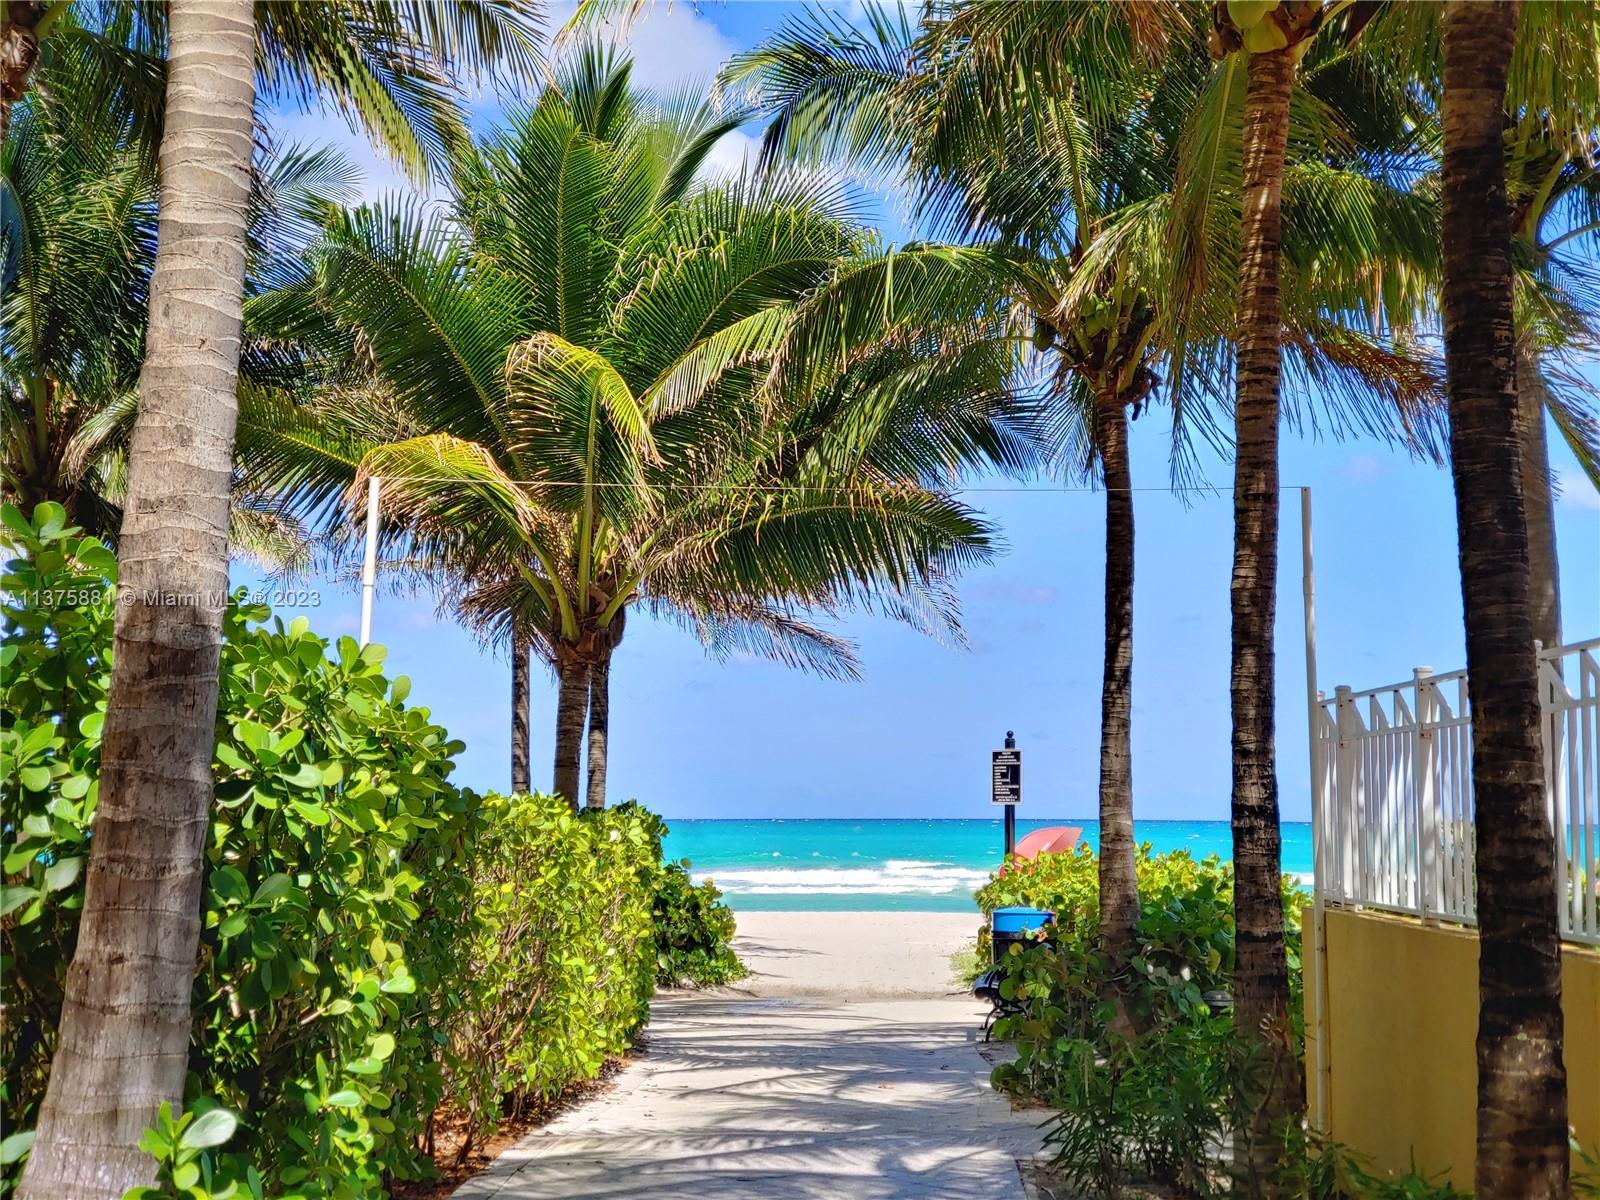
[{"x": 1006, "y": 785}]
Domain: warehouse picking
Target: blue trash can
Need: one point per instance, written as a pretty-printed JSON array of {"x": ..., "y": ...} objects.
[{"x": 1008, "y": 925}]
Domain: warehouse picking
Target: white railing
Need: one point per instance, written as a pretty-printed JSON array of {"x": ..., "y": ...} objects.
[{"x": 1392, "y": 773}]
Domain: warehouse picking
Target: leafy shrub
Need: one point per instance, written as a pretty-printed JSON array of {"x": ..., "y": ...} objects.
[
  {"x": 331, "y": 884},
  {"x": 1155, "y": 1106},
  {"x": 557, "y": 959},
  {"x": 693, "y": 932},
  {"x": 374, "y": 939},
  {"x": 1184, "y": 935}
]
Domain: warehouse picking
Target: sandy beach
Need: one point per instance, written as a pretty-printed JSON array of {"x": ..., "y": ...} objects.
[{"x": 853, "y": 955}]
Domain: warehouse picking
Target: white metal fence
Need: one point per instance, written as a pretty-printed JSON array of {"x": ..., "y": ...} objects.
[{"x": 1392, "y": 771}]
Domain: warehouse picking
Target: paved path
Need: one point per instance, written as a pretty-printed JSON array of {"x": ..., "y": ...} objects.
[{"x": 745, "y": 1096}]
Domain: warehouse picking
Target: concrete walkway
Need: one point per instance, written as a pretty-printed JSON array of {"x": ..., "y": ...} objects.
[{"x": 744, "y": 1095}]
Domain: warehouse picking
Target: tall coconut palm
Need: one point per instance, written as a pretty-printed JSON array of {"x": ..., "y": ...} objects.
[
  {"x": 124, "y": 1031},
  {"x": 1272, "y": 36},
  {"x": 1522, "y": 1094},
  {"x": 613, "y": 428},
  {"x": 934, "y": 101},
  {"x": 124, "y": 1025},
  {"x": 1013, "y": 126}
]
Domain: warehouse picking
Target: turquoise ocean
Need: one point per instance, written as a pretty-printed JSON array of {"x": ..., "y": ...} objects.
[{"x": 906, "y": 865}]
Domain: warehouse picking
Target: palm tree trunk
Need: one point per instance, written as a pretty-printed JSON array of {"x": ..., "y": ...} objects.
[
  {"x": 521, "y": 703},
  {"x": 1261, "y": 975},
  {"x": 572, "y": 702},
  {"x": 1538, "y": 499},
  {"x": 599, "y": 729},
  {"x": 1119, "y": 884},
  {"x": 125, "y": 1019},
  {"x": 1522, "y": 1085}
]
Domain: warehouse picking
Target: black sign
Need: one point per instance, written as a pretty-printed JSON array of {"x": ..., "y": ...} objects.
[{"x": 1007, "y": 783}]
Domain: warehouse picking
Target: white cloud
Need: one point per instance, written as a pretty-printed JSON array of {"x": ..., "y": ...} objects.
[
  {"x": 378, "y": 175},
  {"x": 672, "y": 45},
  {"x": 1576, "y": 490}
]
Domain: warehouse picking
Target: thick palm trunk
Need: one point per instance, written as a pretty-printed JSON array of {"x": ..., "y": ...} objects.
[
  {"x": 1261, "y": 975},
  {"x": 1538, "y": 500},
  {"x": 572, "y": 702},
  {"x": 599, "y": 730},
  {"x": 125, "y": 1020},
  {"x": 1119, "y": 884},
  {"x": 1522, "y": 1086},
  {"x": 521, "y": 703}
]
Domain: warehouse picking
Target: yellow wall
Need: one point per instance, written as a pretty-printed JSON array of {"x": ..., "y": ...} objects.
[{"x": 1401, "y": 1027}]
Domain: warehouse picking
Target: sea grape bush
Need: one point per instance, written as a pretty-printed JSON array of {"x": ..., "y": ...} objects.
[
  {"x": 693, "y": 932},
  {"x": 1184, "y": 935},
  {"x": 325, "y": 909},
  {"x": 1155, "y": 1104},
  {"x": 557, "y": 963},
  {"x": 375, "y": 940}
]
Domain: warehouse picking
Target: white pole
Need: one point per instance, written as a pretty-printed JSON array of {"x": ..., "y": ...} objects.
[
  {"x": 369, "y": 564},
  {"x": 1319, "y": 955}
]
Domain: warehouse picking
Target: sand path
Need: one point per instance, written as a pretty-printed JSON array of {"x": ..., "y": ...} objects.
[{"x": 844, "y": 1069}]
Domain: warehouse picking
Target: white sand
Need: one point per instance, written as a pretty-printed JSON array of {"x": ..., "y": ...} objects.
[{"x": 853, "y": 955}]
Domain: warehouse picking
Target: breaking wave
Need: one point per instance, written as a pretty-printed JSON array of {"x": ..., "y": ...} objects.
[{"x": 896, "y": 877}]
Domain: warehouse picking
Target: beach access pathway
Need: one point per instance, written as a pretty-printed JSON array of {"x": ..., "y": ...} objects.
[{"x": 845, "y": 1068}]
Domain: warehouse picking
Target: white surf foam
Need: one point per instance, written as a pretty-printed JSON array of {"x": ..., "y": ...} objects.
[{"x": 896, "y": 877}]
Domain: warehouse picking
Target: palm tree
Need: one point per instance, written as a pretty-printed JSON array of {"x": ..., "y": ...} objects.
[
  {"x": 125, "y": 1021},
  {"x": 930, "y": 102},
  {"x": 1085, "y": 167},
  {"x": 1273, "y": 38},
  {"x": 1522, "y": 1093},
  {"x": 593, "y": 429},
  {"x": 124, "y": 1030}
]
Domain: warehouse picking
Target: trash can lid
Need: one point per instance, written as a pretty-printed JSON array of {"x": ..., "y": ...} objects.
[{"x": 1018, "y": 919}]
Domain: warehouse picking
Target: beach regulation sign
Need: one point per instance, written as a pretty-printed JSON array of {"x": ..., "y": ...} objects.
[{"x": 1006, "y": 787}]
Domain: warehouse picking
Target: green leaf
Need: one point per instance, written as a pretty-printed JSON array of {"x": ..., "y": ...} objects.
[
  {"x": 400, "y": 688},
  {"x": 345, "y": 1098},
  {"x": 186, "y": 1175},
  {"x": 314, "y": 813},
  {"x": 15, "y": 1147},
  {"x": 211, "y": 1128},
  {"x": 229, "y": 883},
  {"x": 382, "y": 1046},
  {"x": 64, "y": 873},
  {"x": 50, "y": 519},
  {"x": 235, "y": 924},
  {"x": 13, "y": 897},
  {"x": 273, "y": 887},
  {"x": 35, "y": 779},
  {"x": 305, "y": 776}
]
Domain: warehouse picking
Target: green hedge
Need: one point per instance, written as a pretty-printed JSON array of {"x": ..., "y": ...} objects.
[
  {"x": 375, "y": 939},
  {"x": 1184, "y": 935}
]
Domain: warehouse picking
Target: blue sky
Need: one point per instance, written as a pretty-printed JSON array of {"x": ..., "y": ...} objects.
[{"x": 695, "y": 738}]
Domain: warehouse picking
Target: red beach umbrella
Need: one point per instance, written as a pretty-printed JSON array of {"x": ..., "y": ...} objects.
[{"x": 1057, "y": 839}]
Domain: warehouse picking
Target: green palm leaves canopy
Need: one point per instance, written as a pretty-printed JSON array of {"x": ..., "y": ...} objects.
[{"x": 618, "y": 384}]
